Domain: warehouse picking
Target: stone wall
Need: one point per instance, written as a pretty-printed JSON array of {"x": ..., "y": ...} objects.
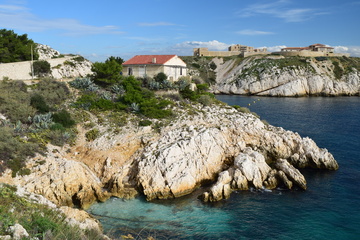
[
  {"x": 22, "y": 70},
  {"x": 310, "y": 54}
]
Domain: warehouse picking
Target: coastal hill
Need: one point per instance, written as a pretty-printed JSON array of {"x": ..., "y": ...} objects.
[
  {"x": 82, "y": 141},
  {"x": 61, "y": 66},
  {"x": 275, "y": 75}
]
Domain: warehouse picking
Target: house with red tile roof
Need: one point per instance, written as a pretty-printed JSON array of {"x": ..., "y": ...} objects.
[{"x": 150, "y": 65}]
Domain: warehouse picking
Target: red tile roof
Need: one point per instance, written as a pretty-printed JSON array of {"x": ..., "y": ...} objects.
[{"x": 148, "y": 59}]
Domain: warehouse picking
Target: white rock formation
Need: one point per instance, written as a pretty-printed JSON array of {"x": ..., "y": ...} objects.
[
  {"x": 215, "y": 144},
  {"x": 46, "y": 52},
  {"x": 18, "y": 232},
  {"x": 262, "y": 76}
]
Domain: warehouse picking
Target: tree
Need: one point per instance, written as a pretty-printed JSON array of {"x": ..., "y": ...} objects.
[
  {"x": 119, "y": 60},
  {"x": 107, "y": 73},
  {"x": 42, "y": 68},
  {"x": 15, "y": 48}
]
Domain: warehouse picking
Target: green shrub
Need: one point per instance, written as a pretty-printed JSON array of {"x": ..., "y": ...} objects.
[
  {"x": 242, "y": 109},
  {"x": 144, "y": 123},
  {"x": 58, "y": 137},
  {"x": 63, "y": 117},
  {"x": 57, "y": 127},
  {"x": 187, "y": 93},
  {"x": 92, "y": 134},
  {"x": 54, "y": 92},
  {"x": 41, "y": 68},
  {"x": 338, "y": 71},
  {"x": 15, "y": 101},
  {"x": 206, "y": 100},
  {"x": 37, "y": 101},
  {"x": 14, "y": 151},
  {"x": 160, "y": 77},
  {"x": 202, "y": 87},
  {"x": 40, "y": 221}
]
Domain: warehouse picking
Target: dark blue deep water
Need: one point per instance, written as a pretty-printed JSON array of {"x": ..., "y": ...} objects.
[{"x": 328, "y": 209}]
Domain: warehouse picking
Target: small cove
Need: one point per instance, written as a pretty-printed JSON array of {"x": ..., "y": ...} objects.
[{"x": 327, "y": 210}]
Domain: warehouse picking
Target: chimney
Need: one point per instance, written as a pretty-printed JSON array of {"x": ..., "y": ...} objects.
[{"x": 154, "y": 60}]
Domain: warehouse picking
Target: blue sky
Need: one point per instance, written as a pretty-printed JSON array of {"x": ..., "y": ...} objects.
[{"x": 99, "y": 29}]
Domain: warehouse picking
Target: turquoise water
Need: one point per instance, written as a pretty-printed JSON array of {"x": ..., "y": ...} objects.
[{"x": 329, "y": 209}]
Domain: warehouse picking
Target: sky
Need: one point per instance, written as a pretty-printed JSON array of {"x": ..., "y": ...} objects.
[{"x": 100, "y": 29}]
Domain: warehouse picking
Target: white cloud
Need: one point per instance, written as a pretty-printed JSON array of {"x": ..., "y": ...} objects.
[
  {"x": 211, "y": 45},
  {"x": 253, "y": 32},
  {"x": 274, "y": 48},
  {"x": 20, "y": 17},
  {"x": 280, "y": 9},
  {"x": 156, "y": 24},
  {"x": 353, "y": 50}
]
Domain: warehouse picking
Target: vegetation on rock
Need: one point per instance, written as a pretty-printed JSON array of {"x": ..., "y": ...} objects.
[{"x": 39, "y": 221}]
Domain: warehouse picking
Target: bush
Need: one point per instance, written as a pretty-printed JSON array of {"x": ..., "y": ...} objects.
[
  {"x": 15, "y": 101},
  {"x": 144, "y": 123},
  {"x": 37, "y": 101},
  {"x": 206, "y": 100},
  {"x": 189, "y": 94},
  {"x": 41, "y": 68},
  {"x": 160, "y": 77},
  {"x": 63, "y": 117},
  {"x": 54, "y": 92},
  {"x": 202, "y": 87},
  {"x": 92, "y": 134},
  {"x": 40, "y": 221},
  {"x": 14, "y": 151}
]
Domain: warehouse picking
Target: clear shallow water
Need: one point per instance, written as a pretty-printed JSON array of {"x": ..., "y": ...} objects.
[{"x": 329, "y": 209}]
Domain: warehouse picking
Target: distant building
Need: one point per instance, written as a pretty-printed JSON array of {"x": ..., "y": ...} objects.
[
  {"x": 233, "y": 50},
  {"x": 150, "y": 65},
  {"x": 314, "y": 50}
]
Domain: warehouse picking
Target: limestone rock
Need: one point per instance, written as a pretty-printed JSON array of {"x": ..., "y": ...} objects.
[
  {"x": 291, "y": 172},
  {"x": 63, "y": 181},
  {"x": 18, "y": 232},
  {"x": 264, "y": 76},
  {"x": 253, "y": 166},
  {"x": 80, "y": 218}
]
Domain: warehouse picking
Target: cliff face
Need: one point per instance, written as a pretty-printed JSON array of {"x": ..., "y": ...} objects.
[
  {"x": 217, "y": 145},
  {"x": 290, "y": 76}
]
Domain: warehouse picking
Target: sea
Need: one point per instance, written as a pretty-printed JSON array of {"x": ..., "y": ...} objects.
[{"x": 328, "y": 209}]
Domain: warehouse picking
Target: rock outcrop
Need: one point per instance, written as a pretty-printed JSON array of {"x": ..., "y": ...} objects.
[
  {"x": 70, "y": 66},
  {"x": 239, "y": 153},
  {"x": 216, "y": 145},
  {"x": 280, "y": 76}
]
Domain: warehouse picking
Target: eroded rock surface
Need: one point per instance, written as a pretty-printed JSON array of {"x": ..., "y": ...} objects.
[
  {"x": 216, "y": 144},
  {"x": 266, "y": 76}
]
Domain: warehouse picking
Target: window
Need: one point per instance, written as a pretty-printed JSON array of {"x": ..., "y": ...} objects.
[
  {"x": 181, "y": 71},
  {"x": 130, "y": 71}
]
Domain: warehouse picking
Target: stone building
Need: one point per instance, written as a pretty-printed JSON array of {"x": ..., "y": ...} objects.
[
  {"x": 233, "y": 50},
  {"x": 314, "y": 50}
]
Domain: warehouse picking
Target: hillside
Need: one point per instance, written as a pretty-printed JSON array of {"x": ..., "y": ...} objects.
[
  {"x": 279, "y": 76},
  {"x": 61, "y": 66}
]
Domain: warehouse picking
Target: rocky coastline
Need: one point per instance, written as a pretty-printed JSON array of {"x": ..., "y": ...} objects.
[
  {"x": 218, "y": 145},
  {"x": 288, "y": 77}
]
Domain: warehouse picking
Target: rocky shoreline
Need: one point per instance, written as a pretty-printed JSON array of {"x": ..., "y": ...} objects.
[
  {"x": 288, "y": 77},
  {"x": 217, "y": 144}
]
